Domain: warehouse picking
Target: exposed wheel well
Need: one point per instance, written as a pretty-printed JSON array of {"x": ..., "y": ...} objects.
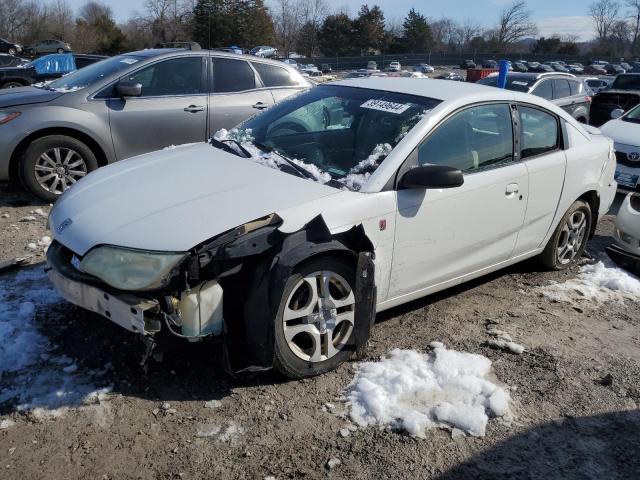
[
  {"x": 70, "y": 132},
  {"x": 346, "y": 256},
  {"x": 17, "y": 80},
  {"x": 591, "y": 197}
]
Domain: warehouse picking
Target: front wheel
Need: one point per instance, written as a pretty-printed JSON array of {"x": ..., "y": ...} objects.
[
  {"x": 53, "y": 163},
  {"x": 569, "y": 240},
  {"x": 315, "y": 323}
]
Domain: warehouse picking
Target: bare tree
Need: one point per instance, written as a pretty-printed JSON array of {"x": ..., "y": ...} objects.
[
  {"x": 287, "y": 17},
  {"x": 634, "y": 14},
  {"x": 515, "y": 24},
  {"x": 469, "y": 30},
  {"x": 604, "y": 14},
  {"x": 12, "y": 18}
]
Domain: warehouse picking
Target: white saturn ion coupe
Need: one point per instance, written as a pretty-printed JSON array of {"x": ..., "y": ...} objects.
[{"x": 285, "y": 235}]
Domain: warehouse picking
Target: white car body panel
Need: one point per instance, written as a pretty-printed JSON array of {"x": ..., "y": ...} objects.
[
  {"x": 628, "y": 221},
  {"x": 425, "y": 240},
  {"x": 626, "y": 138}
]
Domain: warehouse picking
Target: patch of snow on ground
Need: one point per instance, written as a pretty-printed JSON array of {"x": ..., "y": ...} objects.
[
  {"x": 599, "y": 282},
  {"x": 414, "y": 391},
  {"x": 32, "y": 374}
]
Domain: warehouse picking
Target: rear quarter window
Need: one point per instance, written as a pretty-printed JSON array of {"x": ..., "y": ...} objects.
[{"x": 273, "y": 76}]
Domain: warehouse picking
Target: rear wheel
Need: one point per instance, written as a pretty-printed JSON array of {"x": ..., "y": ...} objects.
[
  {"x": 315, "y": 323},
  {"x": 53, "y": 163},
  {"x": 569, "y": 240},
  {"x": 12, "y": 51},
  {"x": 12, "y": 85},
  {"x": 61, "y": 50}
]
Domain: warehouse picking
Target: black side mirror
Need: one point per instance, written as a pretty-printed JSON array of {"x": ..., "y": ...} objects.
[
  {"x": 432, "y": 176},
  {"x": 129, "y": 88}
]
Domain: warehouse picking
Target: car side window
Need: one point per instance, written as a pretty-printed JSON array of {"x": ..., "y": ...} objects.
[
  {"x": 176, "y": 76},
  {"x": 576, "y": 87},
  {"x": 561, "y": 88},
  {"x": 539, "y": 132},
  {"x": 231, "y": 75},
  {"x": 474, "y": 139},
  {"x": 273, "y": 76},
  {"x": 544, "y": 90}
]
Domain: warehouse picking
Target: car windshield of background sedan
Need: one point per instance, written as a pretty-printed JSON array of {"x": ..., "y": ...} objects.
[
  {"x": 333, "y": 134},
  {"x": 633, "y": 115},
  {"x": 91, "y": 74},
  {"x": 516, "y": 84}
]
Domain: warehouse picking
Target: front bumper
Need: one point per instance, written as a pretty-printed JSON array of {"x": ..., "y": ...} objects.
[
  {"x": 131, "y": 312},
  {"x": 624, "y": 259}
]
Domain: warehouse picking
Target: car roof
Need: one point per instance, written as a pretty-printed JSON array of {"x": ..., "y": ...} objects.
[
  {"x": 157, "y": 52},
  {"x": 444, "y": 90}
]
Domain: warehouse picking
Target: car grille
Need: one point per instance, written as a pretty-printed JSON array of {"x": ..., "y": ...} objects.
[
  {"x": 604, "y": 103},
  {"x": 623, "y": 159}
]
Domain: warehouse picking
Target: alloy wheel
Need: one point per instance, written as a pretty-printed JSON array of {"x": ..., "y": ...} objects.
[
  {"x": 318, "y": 318},
  {"x": 572, "y": 237},
  {"x": 58, "y": 168}
]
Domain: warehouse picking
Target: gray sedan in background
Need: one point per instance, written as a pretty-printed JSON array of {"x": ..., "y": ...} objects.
[{"x": 54, "y": 134}]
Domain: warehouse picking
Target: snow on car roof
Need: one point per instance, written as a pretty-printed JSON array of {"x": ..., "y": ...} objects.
[{"x": 444, "y": 90}]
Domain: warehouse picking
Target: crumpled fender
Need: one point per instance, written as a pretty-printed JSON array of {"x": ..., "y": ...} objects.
[{"x": 255, "y": 351}]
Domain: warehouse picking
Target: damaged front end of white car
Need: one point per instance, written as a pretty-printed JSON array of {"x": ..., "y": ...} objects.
[{"x": 625, "y": 250}]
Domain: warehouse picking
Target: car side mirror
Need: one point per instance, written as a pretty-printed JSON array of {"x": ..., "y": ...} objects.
[
  {"x": 129, "y": 88},
  {"x": 432, "y": 176},
  {"x": 617, "y": 113}
]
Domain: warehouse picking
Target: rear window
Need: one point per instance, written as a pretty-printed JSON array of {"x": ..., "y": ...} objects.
[
  {"x": 513, "y": 83},
  {"x": 544, "y": 90},
  {"x": 273, "y": 76},
  {"x": 230, "y": 75},
  {"x": 576, "y": 87}
]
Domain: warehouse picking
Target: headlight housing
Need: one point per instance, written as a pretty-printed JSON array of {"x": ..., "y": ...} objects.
[
  {"x": 6, "y": 116},
  {"x": 128, "y": 269}
]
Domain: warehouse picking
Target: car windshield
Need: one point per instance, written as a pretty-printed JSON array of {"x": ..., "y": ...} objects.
[
  {"x": 92, "y": 73},
  {"x": 513, "y": 83},
  {"x": 633, "y": 115},
  {"x": 333, "y": 134},
  {"x": 626, "y": 82}
]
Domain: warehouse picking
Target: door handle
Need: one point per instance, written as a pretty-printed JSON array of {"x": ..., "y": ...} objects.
[
  {"x": 512, "y": 190},
  {"x": 194, "y": 108},
  {"x": 260, "y": 106}
]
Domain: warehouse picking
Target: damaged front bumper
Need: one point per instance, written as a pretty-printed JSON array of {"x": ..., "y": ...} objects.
[{"x": 624, "y": 259}]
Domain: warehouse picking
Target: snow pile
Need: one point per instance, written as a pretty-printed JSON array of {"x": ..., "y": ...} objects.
[
  {"x": 414, "y": 391},
  {"x": 31, "y": 374},
  {"x": 359, "y": 174},
  {"x": 599, "y": 282}
]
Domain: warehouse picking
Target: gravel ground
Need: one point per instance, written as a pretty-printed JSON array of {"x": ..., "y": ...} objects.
[{"x": 575, "y": 393}]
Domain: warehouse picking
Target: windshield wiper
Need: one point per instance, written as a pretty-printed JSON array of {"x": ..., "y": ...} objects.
[
  {"x": 303, "y": 172},
  {"x": 222, "y": 145}
]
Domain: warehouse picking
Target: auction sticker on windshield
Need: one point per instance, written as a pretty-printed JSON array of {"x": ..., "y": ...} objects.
[{"x": 384, "y": 106}]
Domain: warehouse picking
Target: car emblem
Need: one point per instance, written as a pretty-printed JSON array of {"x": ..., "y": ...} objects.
[
  {"x": 65, "y": 223},
  {"x": 633, "y": 156}
]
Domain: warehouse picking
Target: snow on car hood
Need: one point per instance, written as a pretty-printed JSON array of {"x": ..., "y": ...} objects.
[
  {"x": 627, "y": 133},
  {"x": 11, "y": 97},
  {"x": 174, "y": 199}
]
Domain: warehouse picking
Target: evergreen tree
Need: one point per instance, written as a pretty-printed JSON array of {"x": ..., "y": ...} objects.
[
  {"x": 369, "y": 27},
  {"x": 417, "y": 33},
  {"x": 336, "y": 35}
]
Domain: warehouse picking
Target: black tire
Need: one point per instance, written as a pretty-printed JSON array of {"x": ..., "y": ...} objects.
[
  {"x": 61, "y": 50},
  {"x": 43, "y": 145},
  {"x": 551, "y": 256},
  {"x": 13, "y": 85},
  {"x": 286, "y": 361}
]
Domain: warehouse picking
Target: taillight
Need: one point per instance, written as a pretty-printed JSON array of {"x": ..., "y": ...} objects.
[{"x": 588, "y": 98}]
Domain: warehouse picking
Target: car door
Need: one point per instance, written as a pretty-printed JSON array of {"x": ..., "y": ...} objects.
[
  {"x": 278, "y": 80},
  {"x": 444, "y": 235},
  {"x": 236, "y": 93},
  {"x": 541, "y": 151},
  {"x": 172, "y": 109},
  {"x": 562, "y": 95},
  {"x": 543, "y": 89}
]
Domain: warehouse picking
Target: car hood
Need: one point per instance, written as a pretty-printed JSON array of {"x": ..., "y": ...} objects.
[
  {"x": 11, "y": 97},
  {"x": 174, "y": 199},
  {"x": 627, "y": 133}
]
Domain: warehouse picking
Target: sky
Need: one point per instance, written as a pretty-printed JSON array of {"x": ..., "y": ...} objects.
[{"x": 552, "y": 16}]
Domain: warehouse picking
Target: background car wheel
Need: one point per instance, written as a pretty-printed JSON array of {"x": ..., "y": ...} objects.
[
  {"x": 61, "y": 50},
  {"x": 52, "y": 164},
  {"x": 12, "y": 51},
  {"x": 12, "y": 85},
  {"x": 569, "y": 240},
  {"x": 315, "y": 323}
]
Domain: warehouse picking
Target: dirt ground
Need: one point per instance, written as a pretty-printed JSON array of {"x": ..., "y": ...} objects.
[{"x": 575, "y": 393}]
